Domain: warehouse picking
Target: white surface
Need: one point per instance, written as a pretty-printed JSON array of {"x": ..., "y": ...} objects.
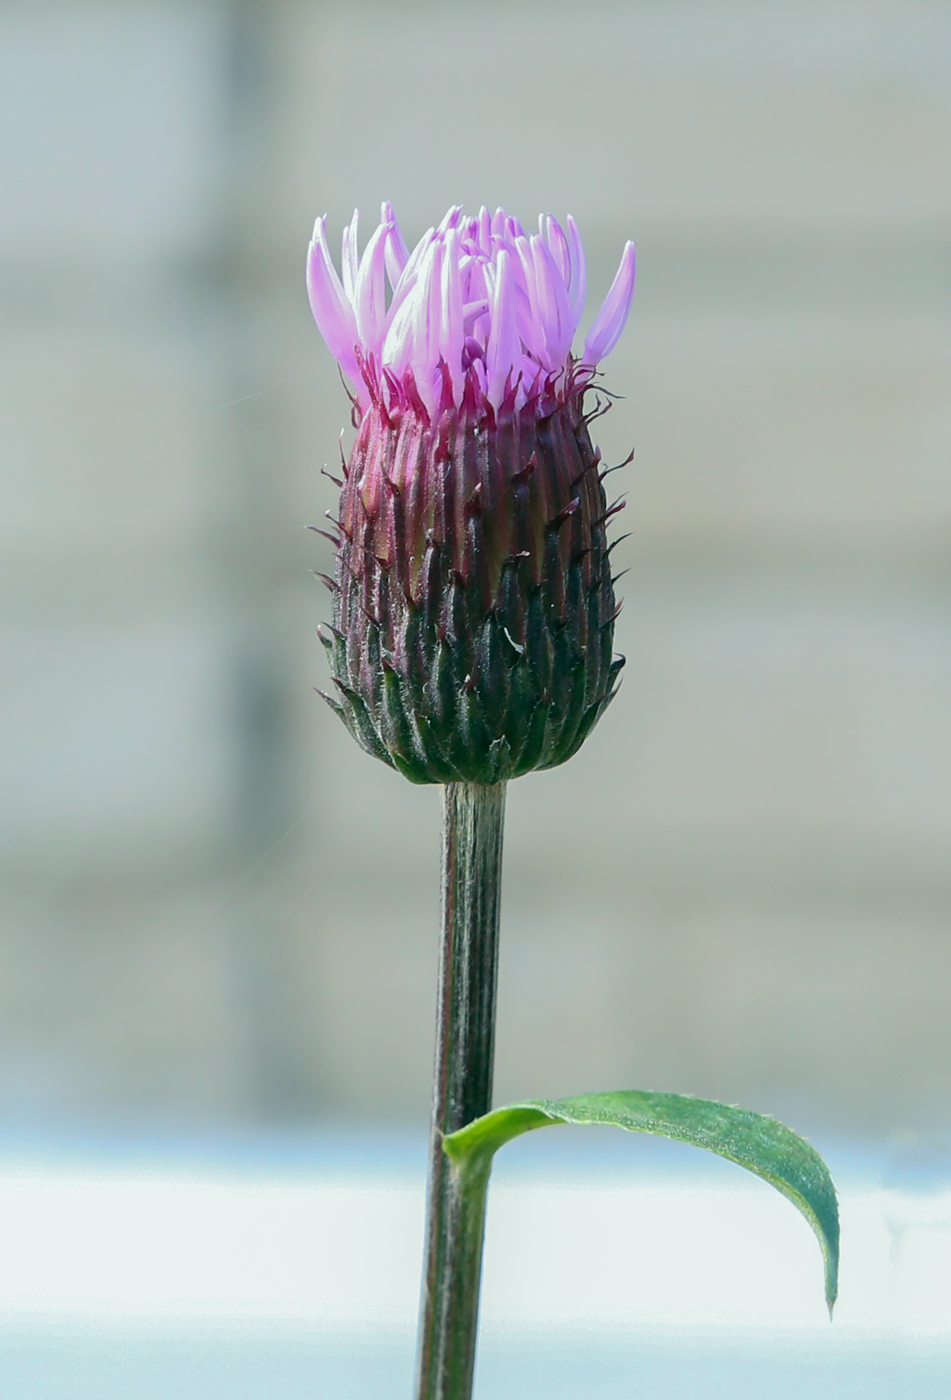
[{"x": 106, "y": 1247}]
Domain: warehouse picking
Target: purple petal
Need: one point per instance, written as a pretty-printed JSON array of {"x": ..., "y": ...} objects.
[
  {"x": 408, "y": 343},
  {"x": 369, "y": 293},
  {"x": 475, "y": 280},
  {"x": 451, "y": 333},
  {"x": 348, "y": 258},
  {"x": 408, "y": 279},
  {"x": 451, "y": 219},
  {"x": 472, "y": 350},
  {"x": 472, "y": 311},
  {"x": 577, "y": 284},
  {"x": 428, "y": 328},
  {"x": 415, "y": 258},
  {"x": 502, "y": 347},
  {"x": 398, "y": 343},
  {"x": 499, "y": 223},
  {"x": 397, "y": 253},
  {"x": 332, "y": 311},
  {"x": 554, "y": 236},
  {"x": 529, "y": 329},
  {"x": 553, "y": 303},
  {"x": 485, "y": 230},
  {"x": 531, "y": 320},
  {"x": 609, "y": 322}
]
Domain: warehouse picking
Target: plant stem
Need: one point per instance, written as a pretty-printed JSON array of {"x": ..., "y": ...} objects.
[{"x": 462, "y": 1089}]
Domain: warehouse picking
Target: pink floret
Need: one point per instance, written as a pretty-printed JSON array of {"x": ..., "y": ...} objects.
[{"x": 478, "y": 308}]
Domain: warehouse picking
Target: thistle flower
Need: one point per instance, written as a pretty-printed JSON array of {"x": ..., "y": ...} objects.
[{"x": 473, "y": 604}]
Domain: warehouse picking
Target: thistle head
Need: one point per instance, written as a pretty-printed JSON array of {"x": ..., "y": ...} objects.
[{"x": 473, "y": 605}]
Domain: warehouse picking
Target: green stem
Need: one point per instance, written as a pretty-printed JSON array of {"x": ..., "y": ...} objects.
[{"x": 462, "y": 1090}]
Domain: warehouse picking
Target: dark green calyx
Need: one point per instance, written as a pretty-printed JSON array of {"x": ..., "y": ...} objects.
[{"x": 473, "y": 606}]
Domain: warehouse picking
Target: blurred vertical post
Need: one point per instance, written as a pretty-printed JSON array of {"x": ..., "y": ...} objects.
[{"x": 259, "y": 567}]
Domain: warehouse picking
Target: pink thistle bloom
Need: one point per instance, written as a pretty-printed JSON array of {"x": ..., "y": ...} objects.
[
  {"x": 473, "y": 599},
  {"x": 479, "y": 308}
]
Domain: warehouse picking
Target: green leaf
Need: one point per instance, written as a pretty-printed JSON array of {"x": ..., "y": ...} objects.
[{"x": 760, "y": 1144}]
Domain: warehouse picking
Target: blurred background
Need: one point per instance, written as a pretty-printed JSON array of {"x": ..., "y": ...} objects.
[
  {"x": 215, "y": 907},
  {"x": 217, "y": 914}
]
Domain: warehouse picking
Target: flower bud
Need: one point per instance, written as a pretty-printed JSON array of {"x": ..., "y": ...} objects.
[{"x": 473, "y": 605}]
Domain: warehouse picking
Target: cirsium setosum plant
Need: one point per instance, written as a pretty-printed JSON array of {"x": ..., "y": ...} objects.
[{"x": 472, "y": 642}]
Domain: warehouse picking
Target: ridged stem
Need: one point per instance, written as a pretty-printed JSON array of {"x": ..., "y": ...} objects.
[{"x": 462, "y": 1089}]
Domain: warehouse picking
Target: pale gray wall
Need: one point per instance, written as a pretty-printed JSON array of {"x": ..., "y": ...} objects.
[{"x": 741, "y": 887}]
